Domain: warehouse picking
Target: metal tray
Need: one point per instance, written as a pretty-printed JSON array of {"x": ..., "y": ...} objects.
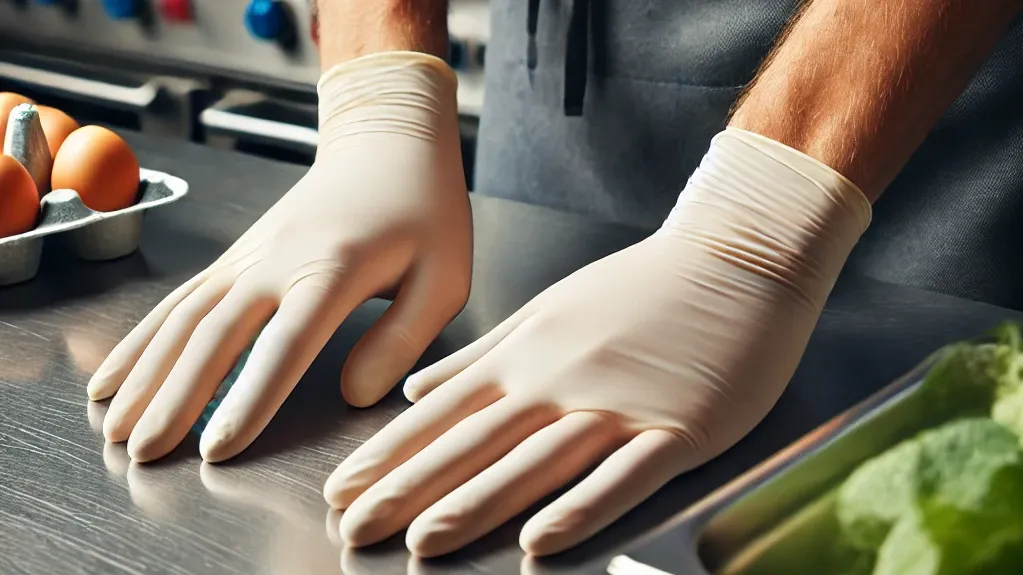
[
  {"x": 88, "y": 234},
  {"x": 732, "y": 529}
]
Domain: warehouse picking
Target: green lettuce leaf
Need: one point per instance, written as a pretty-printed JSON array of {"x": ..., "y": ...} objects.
[{"x": 879, "y": 493}]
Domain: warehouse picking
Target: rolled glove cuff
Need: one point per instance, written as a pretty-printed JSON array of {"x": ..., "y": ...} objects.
[
  {"x": 763, "y": 202},
  {"x": 407, "y": 93}
]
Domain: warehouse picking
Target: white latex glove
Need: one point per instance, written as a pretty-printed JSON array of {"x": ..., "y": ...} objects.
[
  {"x": 383, "y": 209},
  {"x": 647, "y": 363}
]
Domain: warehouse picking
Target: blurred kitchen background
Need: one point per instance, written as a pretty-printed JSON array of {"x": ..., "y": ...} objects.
[{"x": 239, "y": 74}]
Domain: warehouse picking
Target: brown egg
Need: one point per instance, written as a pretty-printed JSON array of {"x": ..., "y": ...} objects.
[
  {"x": 19, "y": 199},
  {"x": 100, "y": 166},
  {"x": 57, "y": 126},
  {"x": 8, "y": 101}
]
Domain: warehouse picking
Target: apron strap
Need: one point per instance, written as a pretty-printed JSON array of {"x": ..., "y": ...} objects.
[
  {"x": 576, "y": 52},
  {"x": 532, "y": 17},
  {"x": 576, "y": 55}
]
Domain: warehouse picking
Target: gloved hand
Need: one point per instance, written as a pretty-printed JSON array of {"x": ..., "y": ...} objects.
[
  {"x": 383, "y": 209},
  {"x": 647, "y": 363}
]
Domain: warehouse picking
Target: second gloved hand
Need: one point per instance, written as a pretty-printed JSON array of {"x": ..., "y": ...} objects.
[
  {"x": 644, "y": 364},
  {"x": 384, "y": 209}
]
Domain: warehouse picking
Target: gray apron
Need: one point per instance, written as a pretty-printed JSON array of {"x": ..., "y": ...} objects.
[{"x": 605, "y": 107}]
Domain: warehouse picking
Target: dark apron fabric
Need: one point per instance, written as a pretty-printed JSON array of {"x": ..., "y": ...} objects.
[{"x": 605, "y": 107}]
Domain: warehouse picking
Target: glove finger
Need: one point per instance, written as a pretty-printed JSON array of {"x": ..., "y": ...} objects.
[
  {"x": 544, "y": 462},
  {"x": 419, "y": 384},
  {"x": 122, "y": 359},
  {"x": 408, "y": 434},
  {"x": 208, "y": 357},
  {"x": 307, "y": 317},
  {"x": 622, "y": 481},
  {"x": 152, "y": 367},
  {"x": 424, "y": 305},
  {"x": 455, "y": 457}
]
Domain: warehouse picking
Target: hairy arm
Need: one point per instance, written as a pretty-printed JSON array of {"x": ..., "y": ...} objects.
[
  {"x": 858, "y": 84},
  {"x": 352, "y": 28}
]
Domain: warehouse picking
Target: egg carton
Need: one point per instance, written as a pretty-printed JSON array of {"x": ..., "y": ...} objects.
[{"x": 88, "y": 234}]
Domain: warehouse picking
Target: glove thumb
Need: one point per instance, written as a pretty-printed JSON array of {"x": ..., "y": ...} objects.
[{"x": 426, "y": 302}]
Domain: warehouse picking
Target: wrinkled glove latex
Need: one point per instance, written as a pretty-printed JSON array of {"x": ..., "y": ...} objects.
[
  {"x": 644, "y": 364},
  {"x": 384, "y": 209}
]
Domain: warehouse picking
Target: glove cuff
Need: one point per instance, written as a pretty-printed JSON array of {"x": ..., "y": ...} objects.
[
  {"x": 764, "y": 201},
  {"x": 408, "y": 93}
]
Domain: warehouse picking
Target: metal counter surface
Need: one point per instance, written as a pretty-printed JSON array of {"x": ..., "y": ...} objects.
[{"x": 70, "y": 504}]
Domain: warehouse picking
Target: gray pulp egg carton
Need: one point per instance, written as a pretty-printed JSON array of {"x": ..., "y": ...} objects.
[{"x": 88, "y": 234}]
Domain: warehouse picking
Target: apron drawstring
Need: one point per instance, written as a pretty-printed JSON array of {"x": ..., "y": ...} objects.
[
  {"x": 533, "y": 17},
  {"x": 576, "y": 52},
  {"x": 576, "y": 55}
]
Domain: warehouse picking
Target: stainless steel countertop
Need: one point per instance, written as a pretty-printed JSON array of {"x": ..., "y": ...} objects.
[{"x": 70, "y": 504}]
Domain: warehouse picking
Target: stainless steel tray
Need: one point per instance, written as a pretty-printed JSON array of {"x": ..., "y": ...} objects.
[
  {"x": 733, "y": 527},
  {"x": 88, "y": 234}
]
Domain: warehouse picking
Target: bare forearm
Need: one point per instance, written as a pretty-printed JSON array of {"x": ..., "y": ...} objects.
[
  {"x": 352, "y": 28},
  {"x": 858, "y": 84}
]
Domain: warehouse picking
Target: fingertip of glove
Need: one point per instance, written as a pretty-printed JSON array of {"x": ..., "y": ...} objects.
[
  {"x": 114, "y": 429},
  {"x": 420, "y": 384},
  {"x": 337, "y": 491},
  {"x": 532, "y": 547},
  {"x": 222, "y": 439},
  {"x": 211, "y": 448},
  {"x": 99, "y": 388},
  {"x": 97, "y": 393},
  {"x": 330, "y": 491},
  {"x": 538, "y": 541},
  {"x": 422, "y": 541},
  {"x": 329, "y": 496},
  {"x": 362, "y": 391},
  {"x": 359, "y": 531},
  {"x": 412, "y": 389},
  {"x": 142, "y": 450}
]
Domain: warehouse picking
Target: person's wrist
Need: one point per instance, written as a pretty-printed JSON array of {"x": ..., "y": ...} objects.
[
  {"x": 350, "y": 29},
  {"x": 397, "y": 92}
]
